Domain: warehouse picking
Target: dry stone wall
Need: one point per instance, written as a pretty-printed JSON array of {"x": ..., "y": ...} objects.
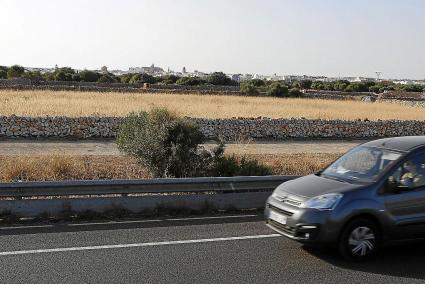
[
  {"x": 26, "y": 84},
  {"x": 226, "y": 129},
  {"x": 405, "y": 102}
]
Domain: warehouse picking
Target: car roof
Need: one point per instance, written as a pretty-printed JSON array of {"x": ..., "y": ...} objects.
[{"x": 403, "y": 144}]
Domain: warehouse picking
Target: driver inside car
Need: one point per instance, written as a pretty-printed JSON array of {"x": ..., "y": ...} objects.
[{"x": 411, "y": 176}]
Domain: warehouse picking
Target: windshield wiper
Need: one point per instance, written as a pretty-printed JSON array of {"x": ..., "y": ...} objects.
[{"x": 333, "y": 178}]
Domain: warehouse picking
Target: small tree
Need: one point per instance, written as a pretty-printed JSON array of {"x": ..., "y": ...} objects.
[
  {"x": 171, "y": 147},
  {"x": 15, "y": 71},
  {"x": 33, "y": 75},
  {"x": 190, "y": 81},
  {"x": 3, "y": 74},
  {"x": 258, "y": 82},
  {"x": 141, "y": 78},
  {"x": 295, "y": 93},
  {"x": 249, "y": 89},
  {"x": 48, "y": 76},
  {"x": 219, "y": 78},
  {"x": 168, "y": 79},
  {"x": 277, "y": 89},
  {"x": 306, "y": 84},
  {"x": 166, "y": 145},
  {"x": 89, "y": 76},
  {"x": 107, "y": 78},
  {"x": 125, "y": 78},
  {"x": 63, "y": 76}
]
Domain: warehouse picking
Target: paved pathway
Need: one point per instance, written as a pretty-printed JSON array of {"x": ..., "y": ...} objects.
[{"x": 110, "y": 148}]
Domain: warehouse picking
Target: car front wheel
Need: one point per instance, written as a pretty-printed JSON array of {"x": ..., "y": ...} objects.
[{"x": 359, "y": 240}]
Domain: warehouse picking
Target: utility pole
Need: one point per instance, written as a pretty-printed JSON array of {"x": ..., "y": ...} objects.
[{"x": 378, "y": 75}]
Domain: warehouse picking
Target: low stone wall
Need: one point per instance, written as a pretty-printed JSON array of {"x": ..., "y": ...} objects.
[
  {"x": 234, "y": 129},
  {"x": 26, "y": 84},
  {"x": 226, "y": 129},
  {"x": 213, "y": 88},
  {"x": 321, "y": 96},
  {"x": 119, "y": 90},
  {"x": 338, "y": 93},
  {"x": 411, "y": 103},
  {"x": 335, "y": 95},
  {"x": 58, "y": 127}
]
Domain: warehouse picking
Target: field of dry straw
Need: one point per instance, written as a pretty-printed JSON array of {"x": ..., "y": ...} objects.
[
  {"x": 57, "y": 167},
  {"x": 74, "y": 104}
]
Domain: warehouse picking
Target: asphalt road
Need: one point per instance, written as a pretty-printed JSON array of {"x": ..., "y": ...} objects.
[
  {"x": 238, "y": 249},
  {"x": 98, "y": 147}
]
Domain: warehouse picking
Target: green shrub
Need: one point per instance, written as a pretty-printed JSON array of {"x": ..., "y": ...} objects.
[
  {"x": 63, "y": 76},
  {"x": 164, "y": 144},
  {"x": 3, "y": 74},
  {"x": 295, "y": 93},
  {"x": 89, "y": 76},
  {"x": 190, "y": 81},
  {"x": 227, "y": 166},
  {"x": 249, "y": 89},
  {"x": 32, "y": 75},
  {"x": 141, "y": 78},
  {"x": 357, "y": 87},
  {"x": 15, "y": 71},
  {"x": 219, "y": 78},
  {"x": 107, "y": 78},
  {"x": 169, "y": 146},
  {"x": 258, "y": 82},
  {"x": 125, "y": 78},
  {"x": 306, "y": 84},
  {"x": 169, "y": 79},
  {"x": 277, "y": 89},
  {"x": 48, "y": 76}
]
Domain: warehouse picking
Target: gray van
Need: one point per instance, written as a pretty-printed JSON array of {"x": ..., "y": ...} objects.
[{"x": 373, "y": 194}]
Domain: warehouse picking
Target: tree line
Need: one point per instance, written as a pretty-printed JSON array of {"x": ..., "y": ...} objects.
[
  {"x": 259, "y": 87},
  {"x": 255, "y": 87},
  {"x": 69, "y": 74}
]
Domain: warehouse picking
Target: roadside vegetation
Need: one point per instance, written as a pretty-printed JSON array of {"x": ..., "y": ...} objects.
[
  {"x": 169, "y": 146},
  {"x": 158, "y": 144},
  {"x": 82, "y": 104},
  {"x": 62, "y": 167}
]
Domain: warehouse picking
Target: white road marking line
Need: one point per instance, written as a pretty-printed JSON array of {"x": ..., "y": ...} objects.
[
  {"x": 37, "y": 251},
  {"x": 161, "y": 220},
  {"x": 114, "y": 222},
  {"x": 130, "y": 222},
  {"x": 26, "y": 227}
]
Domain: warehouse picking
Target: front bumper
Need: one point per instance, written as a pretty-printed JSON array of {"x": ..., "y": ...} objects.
[{"x": 305, "y": 225}]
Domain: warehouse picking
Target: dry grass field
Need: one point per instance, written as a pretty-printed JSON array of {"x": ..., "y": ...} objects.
[
  {"x": 43, "y": 103},
  {"x": 56, "y": 167}
]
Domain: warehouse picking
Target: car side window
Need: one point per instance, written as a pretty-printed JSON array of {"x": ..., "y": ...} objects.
[{"x": 411, "y": 173}]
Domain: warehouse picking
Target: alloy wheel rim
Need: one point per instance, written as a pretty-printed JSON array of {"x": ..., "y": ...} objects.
[{"x": 361, "y": 241}]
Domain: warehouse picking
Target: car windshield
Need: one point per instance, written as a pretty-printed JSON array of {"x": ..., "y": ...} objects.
[{"x": 362, "y": 164}]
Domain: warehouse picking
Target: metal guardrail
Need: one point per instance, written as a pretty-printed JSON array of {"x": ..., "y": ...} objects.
[{"x": 104, "y": 187}]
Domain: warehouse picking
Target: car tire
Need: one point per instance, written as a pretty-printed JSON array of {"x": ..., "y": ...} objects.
[{"x": 360, "y": 240}]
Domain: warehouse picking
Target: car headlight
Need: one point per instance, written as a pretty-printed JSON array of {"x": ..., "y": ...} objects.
[
  {"x": 277, "y": 196},
  {"x": 323, "y": 202}
]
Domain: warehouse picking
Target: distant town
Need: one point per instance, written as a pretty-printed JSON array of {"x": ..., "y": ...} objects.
[{"x": 157, "y": 71}]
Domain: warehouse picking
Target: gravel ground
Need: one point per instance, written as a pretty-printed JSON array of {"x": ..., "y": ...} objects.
[{"x": 110, "y": 148}]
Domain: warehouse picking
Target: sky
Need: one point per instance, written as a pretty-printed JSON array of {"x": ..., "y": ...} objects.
[{"x": 312, "y": 37}]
